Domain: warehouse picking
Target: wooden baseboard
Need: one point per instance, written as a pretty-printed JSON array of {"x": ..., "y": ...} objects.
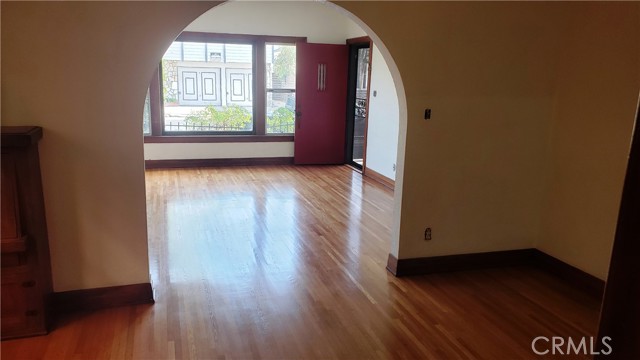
[
  {"x": 376, "y": 176},
  {"x": 527, "y": 257},
  {"x": 101, "y": 298},
  {"x": 195, "y": 163},
  {"x": 392, "y": 265},
  {"x": 580, "y": 279},
  {"x": 449, "y": 263}
]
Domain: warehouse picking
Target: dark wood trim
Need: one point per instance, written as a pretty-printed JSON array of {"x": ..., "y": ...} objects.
[
  {"x": 580, "y": 279},
  {"x": 197, "y": 163},
  {"x": 354, "y": 168},
  {"x": 360, "y": 40},
  {"x": 355, "y": 44},
  {"x": 20, "y": 136},
  {"x": 275, "y": 39},
  {"x": 366, "y": 111},
  {"x": 392, "y": 264},
  {"x": 195, "y": 36},
  {"x": 349, "y": 129},
  {"x": 205, "y": 37},
  {"x": 450, "y": 263},
  {"x": 102, "y": 298},
  {"x": 156, "y": 102},
  {"x": 620, "y": 316},
  {"x": 522, "y": 257},
  {"x": 376, "y": 176},
  {"x": 217, "y": 139},
  {"x": 259, "y": 88}
]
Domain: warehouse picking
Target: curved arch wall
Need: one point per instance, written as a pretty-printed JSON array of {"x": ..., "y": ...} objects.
[{"x": 519, "y": 99}]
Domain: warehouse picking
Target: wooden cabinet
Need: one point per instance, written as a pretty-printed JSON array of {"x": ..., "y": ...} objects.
[{"x": 26, "y": 269}]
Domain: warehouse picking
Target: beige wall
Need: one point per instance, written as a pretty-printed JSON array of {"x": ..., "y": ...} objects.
[
  {"x": 499, "y": 77},
  {"x": 80, "y": 70},
  {"x": 595, "y": 104},
  {"x": 477, "y": 173}
]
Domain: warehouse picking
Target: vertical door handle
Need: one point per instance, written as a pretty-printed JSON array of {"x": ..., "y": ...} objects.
[{"x": 322, "y": 76}]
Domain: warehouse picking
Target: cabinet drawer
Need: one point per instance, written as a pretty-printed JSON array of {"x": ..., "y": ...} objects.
[
  {"x": 24, "y": 248},
  {"x": 13, "y": 245},
  {"x": 22, "y": 304}
]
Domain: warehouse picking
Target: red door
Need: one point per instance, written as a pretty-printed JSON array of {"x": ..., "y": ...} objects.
[{"x": 321, "y": 101}]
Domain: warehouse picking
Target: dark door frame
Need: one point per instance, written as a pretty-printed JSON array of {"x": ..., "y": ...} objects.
[
  {"x": 620, "y": 315},
  {"x": 355, "y": 44}
]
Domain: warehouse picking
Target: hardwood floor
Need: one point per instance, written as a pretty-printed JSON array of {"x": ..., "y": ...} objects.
[{"x": 289, "y": 262}]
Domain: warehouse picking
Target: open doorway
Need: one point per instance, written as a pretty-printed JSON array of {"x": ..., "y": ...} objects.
[
  {"x": 358, "y": 101},
  {"x": 229, "y": 242},
  {"x": 218, "y": 64}
]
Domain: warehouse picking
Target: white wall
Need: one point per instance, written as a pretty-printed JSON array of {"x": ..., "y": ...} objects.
[
  {"x": 217, "y": 150},
  {"x": 315, "y": 20},
  {"x": 319, "y": 23},
  {"x": 382, "y": 133},
  {"x": 353, "y": 30}
]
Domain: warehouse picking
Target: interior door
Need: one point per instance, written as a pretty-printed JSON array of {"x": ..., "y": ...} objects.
[{"x": 321, "y": 93}]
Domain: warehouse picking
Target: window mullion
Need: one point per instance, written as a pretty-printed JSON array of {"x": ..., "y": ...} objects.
[
  {"x": 155, "y": 102},
  {"x": 281, "y": 91},
  {"x": 260, "y": 83}
]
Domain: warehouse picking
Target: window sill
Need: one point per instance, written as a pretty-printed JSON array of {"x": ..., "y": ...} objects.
[{"x": 216, "y": 139}]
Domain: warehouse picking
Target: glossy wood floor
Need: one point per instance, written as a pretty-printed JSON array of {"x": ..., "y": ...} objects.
[{"x": 289, "y": 262}]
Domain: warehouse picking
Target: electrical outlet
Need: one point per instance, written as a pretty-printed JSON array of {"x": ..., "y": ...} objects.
[{"x": 427, "y": 233}]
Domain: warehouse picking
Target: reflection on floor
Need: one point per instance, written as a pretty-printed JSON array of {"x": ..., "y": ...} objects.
[{"x": 289, "y": 262}]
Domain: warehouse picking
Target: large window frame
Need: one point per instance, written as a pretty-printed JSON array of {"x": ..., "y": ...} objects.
[{"x": 258, "y": 134}]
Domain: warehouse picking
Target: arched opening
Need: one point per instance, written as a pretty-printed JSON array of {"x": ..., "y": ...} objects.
[
  {"x": 495, "y": 88},
  {"x": 273, "y": 233},
  {"x": 384, "y": 71}
]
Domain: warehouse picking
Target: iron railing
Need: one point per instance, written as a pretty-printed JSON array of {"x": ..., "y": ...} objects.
[{"x": 286, "y": 128}]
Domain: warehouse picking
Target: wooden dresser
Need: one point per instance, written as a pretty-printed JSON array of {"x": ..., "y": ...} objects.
[{"x": 26, "y": 269}]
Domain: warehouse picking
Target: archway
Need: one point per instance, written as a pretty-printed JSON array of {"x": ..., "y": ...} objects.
[{"x": 401, "y": 101}]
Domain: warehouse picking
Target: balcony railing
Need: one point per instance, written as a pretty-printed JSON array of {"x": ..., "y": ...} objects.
[
  {"x": 286, "y": 128},
  {"x": 192, "y": 127}
]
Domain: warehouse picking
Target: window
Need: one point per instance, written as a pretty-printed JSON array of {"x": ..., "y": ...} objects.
[
  {"x": 208, "y": 87},
  {"x": 281, "y": 88},
  {"x": 224, "y": 84},
  {"x": 146, "y": 115}
]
